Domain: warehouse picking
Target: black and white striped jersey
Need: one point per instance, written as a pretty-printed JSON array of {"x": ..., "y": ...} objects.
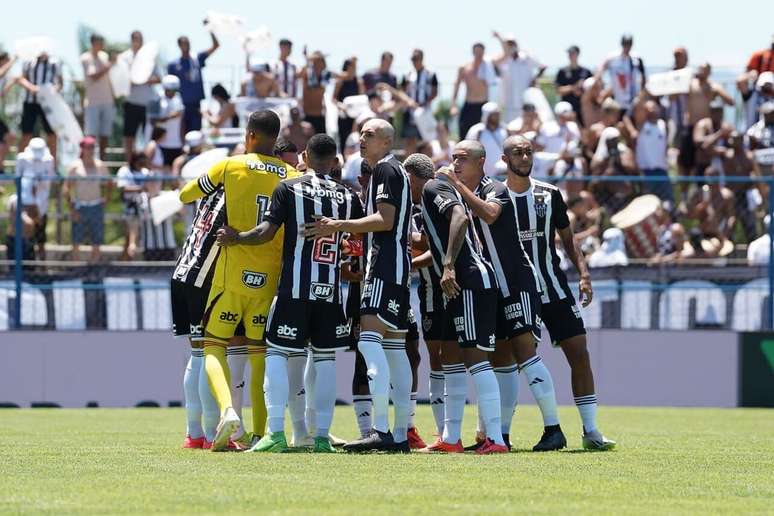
[
  {"x": 310, "y": 268},
  {"x": 472, "y": 271},
  {"x": 40, "y": 72},
  {"x": 540, "y": 212},
  {"x": 501, "y": 244},
  {"x": 388, "y": 253},
  {"x": 429, "y": 290},
  {"x": 196, "y": 263}
]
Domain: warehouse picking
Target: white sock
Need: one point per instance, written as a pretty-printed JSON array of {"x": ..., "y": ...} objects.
[
  {"x": 309, "y": 383},
  {"x": 210, "y": 409},
  {"x": 454, "y": 405},
  {"x": 542, "y": 386},
  {"x": 324, "y": 391},
  {"x": 297, "y": 393},
  {"x": 587, "y": 406},
  {"x": 237, "y": 359},
  {"x": 362, "y": 405},
  {"x": 437, "y": 398},
  {"x": 193, "y": 405},
  {"x": 370, "y": 346},
  {"x": 400, "y": 383},
  {"x": 488, "y": 399},
  {"x": 412, "y": 409},
  {"x": 275, "y": 388},
  {"x": 508, "y": 380}
]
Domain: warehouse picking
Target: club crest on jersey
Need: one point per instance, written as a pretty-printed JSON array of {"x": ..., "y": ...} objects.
[
  {"x": 427, "y": 323},
  {"x": 540, "y": 206},
  {"x": 322, "y": 291},
  {"x": 271, "y": 168},
  {"x": 253, "y": 279}
]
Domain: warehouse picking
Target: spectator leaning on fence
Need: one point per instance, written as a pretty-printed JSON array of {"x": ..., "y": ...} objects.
[
  {"x": 28, "y": 229},
  {"x": 738, "y": 162},
  {"x": 130, "y": 181},
  {"x": 36, "y": 167},
  {"x": 87, "y": 195},
  {"x": 99, "y": 107}
]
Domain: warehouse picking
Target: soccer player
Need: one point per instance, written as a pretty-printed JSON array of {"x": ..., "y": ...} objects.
[
  {"x": 385, "y": 289},
  {"x": 190, "y": 286},
  {"x": 308, "y": 307},
  {"x": 518, "y": 302},
  {"x": 470, "y": 289},
  {"x": 245, "y": 278},
  {"x": 541, "y": 213}
]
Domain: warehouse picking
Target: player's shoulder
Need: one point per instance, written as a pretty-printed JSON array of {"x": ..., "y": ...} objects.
[
  {"x": 542, "y": 186},
  {"x": 388, "y": 164}
]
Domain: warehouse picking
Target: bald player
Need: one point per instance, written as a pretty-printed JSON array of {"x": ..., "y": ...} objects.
[{"x": 385, "y": 289}]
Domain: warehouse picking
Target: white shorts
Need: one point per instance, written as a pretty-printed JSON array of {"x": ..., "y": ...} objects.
[{"x": 98, "y": 119}]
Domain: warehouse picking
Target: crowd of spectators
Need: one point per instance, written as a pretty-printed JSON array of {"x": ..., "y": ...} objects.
[{"x": 604, "y": 127}]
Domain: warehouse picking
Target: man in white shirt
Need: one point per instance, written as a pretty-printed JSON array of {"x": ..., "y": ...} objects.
[
  {"x": 651, "y": 152},
  {"x": 518, "y": 71},
  {"x": 491, "y": 133},
  {"x": 100, "y": 111},
  {"x": 556, "y": 139},
  {"x": 140, "y": 95},
  {"x": 36, "y": 167},
  {"x": 626, "y": 73},
  {"x": 170, "y": 117}
]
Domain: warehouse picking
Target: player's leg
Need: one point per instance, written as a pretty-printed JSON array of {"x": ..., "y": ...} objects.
[
  {"x": 236, "y": 356},
  {"x": 476, "y": 334},
  {"x": 394, "y": 345},
  {"x": 372, "y": 332},
  {"x": 255, "y": 322},
  {"x": 309, "y": 379},
  {"x": 286, "y": 333},
  {"x": 582, "y": 377},
  {"x": 297, "y": 398},
  {"x": 361, "y": 396},
  {"x": 436, "y": 387},
  {"x": 412, "y": 352},
  {"x": 223, "y": 314}
]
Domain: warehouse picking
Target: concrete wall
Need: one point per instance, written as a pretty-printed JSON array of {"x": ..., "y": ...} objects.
[{"x": 666, "y": 368}]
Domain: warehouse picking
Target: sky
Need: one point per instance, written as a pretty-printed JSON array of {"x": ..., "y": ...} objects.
[{"x": 711, "y": 30}]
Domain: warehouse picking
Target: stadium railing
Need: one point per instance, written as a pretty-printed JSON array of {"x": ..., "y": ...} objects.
[{"x": 658, "y": 286}]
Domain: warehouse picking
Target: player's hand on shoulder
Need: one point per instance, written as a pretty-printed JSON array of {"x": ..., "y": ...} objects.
[
  {"x": 226, "y": 236},
  {"x": 322, "y": 227},
  {"x": 448, "y": 173}
]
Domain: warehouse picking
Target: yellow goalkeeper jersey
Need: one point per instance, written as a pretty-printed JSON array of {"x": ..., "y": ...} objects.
[{"x": 248, "y": 181}]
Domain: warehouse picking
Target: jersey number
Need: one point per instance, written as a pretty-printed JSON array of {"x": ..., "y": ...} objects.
[
  {"x": 263, "y": 204},
  {"x": 325, "y": 250}
]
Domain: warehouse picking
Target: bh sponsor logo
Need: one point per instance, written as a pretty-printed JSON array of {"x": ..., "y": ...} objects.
[{"x": 253, "y": 279}]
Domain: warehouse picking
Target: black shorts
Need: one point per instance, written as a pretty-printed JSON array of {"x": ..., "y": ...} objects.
[
  {"x": 39, "y": 236},
  {"x": 317, "y": 121},
  {"x": 169, "y": 155},
  {"x": 563, "y": 320},
  {"x": 413, "y": 330},
  {"x": 518, "y": 313},
  {"x": 473, "y": 315},
  {"x": 409, "y": 129},
  {"x": 134, "y": 117},
  {"x": 437, "y": 327},
  {"x": 388, "y": 301},
  {"x": 3, "y": 133},
  {"x": 470, "y": 115},
  {"x": 687, "y": 156},
  {"x": 292, "y": 323},
  {"x": 30, "y": 114},
  {"x": 188, "y": 305},
  {"x": 352, "y": 311}
]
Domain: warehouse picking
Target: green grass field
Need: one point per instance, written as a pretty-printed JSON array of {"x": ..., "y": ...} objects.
[{"x": 129, "y": 461}]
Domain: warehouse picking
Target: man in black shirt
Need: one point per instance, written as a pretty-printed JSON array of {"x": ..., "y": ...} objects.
[
  {"x": 381, "y": 75},
  {"x": 518, "y": 306},
  {"x": 541, "y": 213},
  {"x": 385, "y": 289},
  {"x": 569, "y": 81},
  {"x": 308, "y": 307},
  {"x": 470, "y": 294}
]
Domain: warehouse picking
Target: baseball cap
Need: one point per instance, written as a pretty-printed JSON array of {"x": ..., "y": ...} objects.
[
  {"x": 260, "y": 66},
  {"x": 763, "y": 79},
  {"x": 88, "y": 141},
  {"x": 170, "y": 82},
  {"x": 194, "y": 138},
  {"x": 562, "y": 108},
  {"x": 37, "y": 147}
]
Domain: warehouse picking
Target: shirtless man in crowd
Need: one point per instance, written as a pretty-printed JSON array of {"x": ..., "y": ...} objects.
[
  {"x": 476, "y": 76},
  {"x": 713, "y": 206}
]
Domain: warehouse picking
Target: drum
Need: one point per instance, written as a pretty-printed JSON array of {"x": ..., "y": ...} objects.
[{"x": 640, "y": 226}]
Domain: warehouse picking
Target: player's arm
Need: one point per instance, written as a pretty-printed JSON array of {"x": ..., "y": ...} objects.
[
  {"x": 205, "y": 184},
  {"x": 488, "y": 211},
  {"x": 422, "y": 261},
  {"x": 260, "y": 234},
  {"x": 570, "y": 245},
  {"x": 458, "y": 225}
]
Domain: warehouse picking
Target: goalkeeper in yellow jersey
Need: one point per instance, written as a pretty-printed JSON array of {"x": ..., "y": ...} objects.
[{"x": 245, "y": 278}]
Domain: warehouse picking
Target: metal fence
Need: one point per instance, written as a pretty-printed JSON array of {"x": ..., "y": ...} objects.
[{"x": 665, "y": 252}]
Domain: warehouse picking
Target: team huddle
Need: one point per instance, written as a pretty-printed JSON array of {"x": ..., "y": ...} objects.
[{"x": 281, "y": 269}]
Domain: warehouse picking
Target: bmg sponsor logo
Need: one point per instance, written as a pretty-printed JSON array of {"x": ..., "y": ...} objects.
[
  {"x": 253, "y": 279},
  {"x": 271, "y": 168}
]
